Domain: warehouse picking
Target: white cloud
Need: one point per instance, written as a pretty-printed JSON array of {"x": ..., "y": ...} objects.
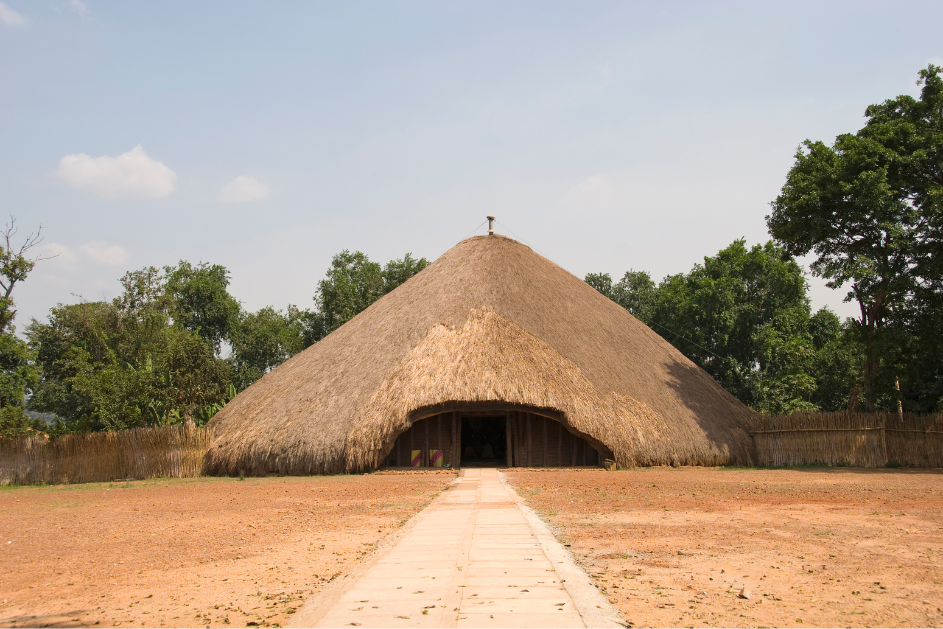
[
  {"x": 131, "y": 175},
  {"x": 61, "y": 252},
  {"x": 77, "y": 6},
  {"x": 243, "y": 189},
  {"x": 10, "y": 17},
  {"x": 102, "y": 252}
]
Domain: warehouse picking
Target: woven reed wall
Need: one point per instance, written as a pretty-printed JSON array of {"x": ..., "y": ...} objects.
[
  {"x": 432, "y": 433},
  {"x": 536, "y": 441},
  {"x": 170, "y": 451},
  {"x": 853, "y": 439}
]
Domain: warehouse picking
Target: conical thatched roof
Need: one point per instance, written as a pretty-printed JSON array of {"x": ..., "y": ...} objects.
[{"x": 490, "y": 322}]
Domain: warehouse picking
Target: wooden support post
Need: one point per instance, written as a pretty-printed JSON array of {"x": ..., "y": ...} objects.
[
  {"x": 576, "y": 444},
  {"x": 438, "y": 435},
  {"x": 412, "y": 445},
  {"x": 530, "y": 440},
  {"x": 399, "y": 451},
  {"x": 507, "y": 434},
  {"x": 519, "y": 439},
  {"x": 452, "y": 441},
  {"x": 425, "y": 446},
  {"x": 546, "y": 447},
  {"x": 456, "y": 440},
  {"x": 560, "y": 444},
  {"x": 522, "y": 433}
]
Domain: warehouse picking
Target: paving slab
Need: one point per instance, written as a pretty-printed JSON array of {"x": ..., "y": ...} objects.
[{"x": 476, "y": 557}]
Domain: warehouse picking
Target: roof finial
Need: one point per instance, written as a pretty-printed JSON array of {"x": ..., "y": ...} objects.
[{"x": 491, "y": 226}]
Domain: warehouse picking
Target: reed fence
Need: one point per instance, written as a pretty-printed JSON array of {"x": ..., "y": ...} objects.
[
  {"x": 169, "y": 451},
  {"x": 852, "y": 439}
]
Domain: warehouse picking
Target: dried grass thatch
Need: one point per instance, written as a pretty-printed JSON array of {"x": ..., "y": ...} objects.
[{"x": 490, "y": 322}]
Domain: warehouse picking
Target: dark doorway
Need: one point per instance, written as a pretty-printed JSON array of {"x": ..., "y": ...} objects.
[{"x": 484, "y": 441}]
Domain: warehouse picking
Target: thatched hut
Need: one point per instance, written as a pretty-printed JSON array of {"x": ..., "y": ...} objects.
[{"x": 492, "y": 353}]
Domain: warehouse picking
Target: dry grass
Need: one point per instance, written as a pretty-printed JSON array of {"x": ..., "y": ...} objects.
[
  {"x": 850, "y": 439},
  {"x": 490, "y": 323},
  {"x": 169, "y": 451}
]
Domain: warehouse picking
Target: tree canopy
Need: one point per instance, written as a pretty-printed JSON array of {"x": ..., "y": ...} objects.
[
  {"x": 18, "y": 372},
  {"x": 351, "y": 284},
  {"x": 870, "y": 208},
  {"x": 175, "y": 345},
  {"x": 744, "y": 317}
]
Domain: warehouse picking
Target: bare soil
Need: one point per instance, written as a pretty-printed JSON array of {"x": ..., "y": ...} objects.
[
  {"x": 811, "y": 547},
  {"x": 196, "y": 552}
]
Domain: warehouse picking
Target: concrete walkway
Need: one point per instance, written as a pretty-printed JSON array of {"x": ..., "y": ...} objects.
[{"x": 471, "y": 559}]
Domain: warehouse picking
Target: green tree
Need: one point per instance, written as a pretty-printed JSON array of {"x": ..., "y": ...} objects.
[
  {"x": 837, "y": 363},
  {"x": 192, "y": 377},
  {"x": 395, "y": 272},
  {"x": 73, "y": 337},
  {"x": 18, "y": 374},
  {"x": 200, "y": 301},
  {"x": 869, "y": 208},
  {"x": 264, "y": 340},
  {"x": 723, "y": 312},
  {"x": 602, "y": 282},
  {"x": 635, "y": 291},
  {"x": 136, "y": 360},
  {"x": 784, "y": 377},
  {"x": 922, "y": 379},
  {"x": 351, "y": 284},
  {"x": 743, "y": 316}
]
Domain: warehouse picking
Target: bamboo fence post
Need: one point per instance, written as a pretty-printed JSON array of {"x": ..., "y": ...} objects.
[{"x": 884, "y": 438}]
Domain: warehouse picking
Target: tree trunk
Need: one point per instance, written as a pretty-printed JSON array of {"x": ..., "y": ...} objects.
[
  {"x": 870, "y": 368},
  {"x": 872, "y": 315},
  {"x": 900, "y": 402}
]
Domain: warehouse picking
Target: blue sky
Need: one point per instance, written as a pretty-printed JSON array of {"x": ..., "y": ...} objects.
[{"x": 269, "y": 136}]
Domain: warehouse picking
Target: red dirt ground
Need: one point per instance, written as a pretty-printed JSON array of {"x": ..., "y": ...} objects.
[
  {"x": 817, "y": 547},
  {"x": 670, "y": 547},
  {"x": 194, "y": 552}
]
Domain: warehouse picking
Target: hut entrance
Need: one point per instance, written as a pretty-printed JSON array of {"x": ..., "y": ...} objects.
[
  {"x": 492, "y": 438},
  {"x": 484, "y": 441}
]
